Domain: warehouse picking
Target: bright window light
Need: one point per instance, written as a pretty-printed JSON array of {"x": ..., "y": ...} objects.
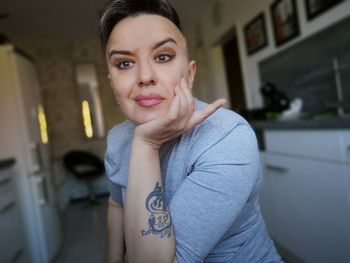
[
  {"x": 42, "y": 125},
  {"x": 87, "y": 118}
]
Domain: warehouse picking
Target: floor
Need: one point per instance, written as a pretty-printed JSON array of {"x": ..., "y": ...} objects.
[{"x": 84, "y": 233}]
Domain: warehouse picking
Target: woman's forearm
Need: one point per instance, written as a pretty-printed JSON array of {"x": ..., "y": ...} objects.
[
  {"x": 115, "y": 232},
  {"x": 148, "y": 229}
]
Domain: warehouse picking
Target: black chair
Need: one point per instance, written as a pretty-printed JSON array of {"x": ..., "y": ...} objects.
[{"x": 84, "y": 166}]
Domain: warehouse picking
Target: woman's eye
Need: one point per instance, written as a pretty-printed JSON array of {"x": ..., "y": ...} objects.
[
  {"x": 163, "y": 58},
  {"x": 126, "y": 64}
]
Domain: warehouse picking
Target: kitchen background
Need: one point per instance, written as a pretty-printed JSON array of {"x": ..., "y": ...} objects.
[{"x": 58, "y": 36}]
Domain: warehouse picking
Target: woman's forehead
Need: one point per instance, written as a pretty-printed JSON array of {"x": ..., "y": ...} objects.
[{"x": 144, "y": 31}]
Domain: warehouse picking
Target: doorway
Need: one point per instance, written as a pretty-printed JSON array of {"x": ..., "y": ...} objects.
[{"x": 234, "y": 73}]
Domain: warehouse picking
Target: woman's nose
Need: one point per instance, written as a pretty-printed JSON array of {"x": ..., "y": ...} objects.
[{"x": 147, "y": 75}]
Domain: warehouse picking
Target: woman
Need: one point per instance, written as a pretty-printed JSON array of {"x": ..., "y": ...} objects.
[{"x": 184, "y": 175}]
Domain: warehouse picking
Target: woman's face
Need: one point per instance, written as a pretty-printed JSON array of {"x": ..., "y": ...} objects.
[{"x": 147, "y": 57}]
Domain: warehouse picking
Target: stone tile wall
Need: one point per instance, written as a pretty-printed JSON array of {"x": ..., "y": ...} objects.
[{"x": 56, "y": 68}]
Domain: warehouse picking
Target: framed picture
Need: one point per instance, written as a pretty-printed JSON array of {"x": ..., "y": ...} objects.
[
  {"x": 255, "y": 34},
  {"x": 285, "y": 21},
  {"x": 316, "y": 7}
]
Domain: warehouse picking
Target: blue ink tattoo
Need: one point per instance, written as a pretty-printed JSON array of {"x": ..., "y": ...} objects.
[{"x": 159, "y": 222}]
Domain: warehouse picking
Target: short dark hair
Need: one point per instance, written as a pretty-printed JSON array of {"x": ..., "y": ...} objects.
[{"x": 116, "y": 10}]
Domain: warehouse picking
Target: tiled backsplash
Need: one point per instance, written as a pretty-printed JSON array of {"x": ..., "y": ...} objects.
[{"x": 305, "y": 70}]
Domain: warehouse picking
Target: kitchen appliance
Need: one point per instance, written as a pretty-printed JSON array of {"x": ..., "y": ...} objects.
[
  {"x": 23, "y": 136},
  {"x": 275, "y": 101}
]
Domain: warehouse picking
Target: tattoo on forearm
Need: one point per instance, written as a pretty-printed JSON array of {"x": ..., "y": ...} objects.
[{"x": 159, "y": 222}]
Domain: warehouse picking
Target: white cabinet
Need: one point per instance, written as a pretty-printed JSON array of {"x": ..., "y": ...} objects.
[
  {"x": 324, "y": 145},
  {"x": 306, "y": 194},
  {"x": 11, "y": 232},
  {"x": 20, "y": 109}
]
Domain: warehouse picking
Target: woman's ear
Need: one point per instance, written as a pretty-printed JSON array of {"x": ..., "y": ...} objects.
[{"x": 192, "y": 67}]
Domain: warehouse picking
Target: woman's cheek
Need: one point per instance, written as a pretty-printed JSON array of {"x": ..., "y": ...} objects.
[{"x": 173, "y": 82}]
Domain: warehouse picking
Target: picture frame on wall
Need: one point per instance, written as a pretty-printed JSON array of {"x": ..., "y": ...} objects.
[
  {"x": 285, "y": 21},
  {"x": 255, "y": 34},
  {"x": 316, "y": 7}
]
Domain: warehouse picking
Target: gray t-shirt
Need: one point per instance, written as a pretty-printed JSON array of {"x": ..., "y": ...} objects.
[{"x": 211, "y": 177}]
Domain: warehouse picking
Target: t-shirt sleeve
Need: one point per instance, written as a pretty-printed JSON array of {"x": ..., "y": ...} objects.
[
  {"x": 209, "y": 200},
  {"x": 114, "y": 189},
  {"x": 115, "y": 192}
]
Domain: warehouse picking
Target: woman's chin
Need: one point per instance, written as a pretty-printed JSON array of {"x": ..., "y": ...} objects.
[{"x": 143, "y": 119}]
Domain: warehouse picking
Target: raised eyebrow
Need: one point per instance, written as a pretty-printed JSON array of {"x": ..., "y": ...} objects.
[
  {"x": 119, "y": 52},
  {"x": 161, "y": 43},
  {"x": 157, "y": 45}
]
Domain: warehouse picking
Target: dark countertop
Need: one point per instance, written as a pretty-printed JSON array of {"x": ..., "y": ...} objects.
[
  {"x": 303, "y": 124},
  {"x": 4, "y": 164}
]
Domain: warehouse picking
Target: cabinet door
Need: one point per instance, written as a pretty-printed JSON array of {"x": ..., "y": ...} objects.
[
  {"x": 311, "y": 210},
  {"x": 11, "y": 239}
]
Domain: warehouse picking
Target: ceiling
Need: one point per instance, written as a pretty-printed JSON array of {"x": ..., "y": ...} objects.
[{"x": 43, "y": 21}]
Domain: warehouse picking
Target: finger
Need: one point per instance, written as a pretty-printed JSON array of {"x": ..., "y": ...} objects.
[
  {"x": 201, "y": 115},
  {"x": 183, "y": 99},
  {"x": 189, "y": 96},
  {"x": 175, "y": 105},
  {"x": 187, "y": 105}
]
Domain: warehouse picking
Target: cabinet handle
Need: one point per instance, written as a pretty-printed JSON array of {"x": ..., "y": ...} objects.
[
  {"x": 41, "y": 189},
  {"x": 7, "y": 207},
  {"x": 276, "y": 168}
]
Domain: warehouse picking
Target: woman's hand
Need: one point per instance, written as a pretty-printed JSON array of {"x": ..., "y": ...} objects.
[{"x": 180, "y": 118}]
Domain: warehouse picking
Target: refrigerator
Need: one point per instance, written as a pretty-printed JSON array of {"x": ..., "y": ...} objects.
[{"x": 24, "y": 137}]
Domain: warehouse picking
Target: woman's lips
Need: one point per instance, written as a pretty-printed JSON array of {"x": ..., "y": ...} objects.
[{"x": 149, "y": 100}]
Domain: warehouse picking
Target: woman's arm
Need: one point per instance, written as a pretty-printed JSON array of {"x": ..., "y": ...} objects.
[
  {"x": 148, "y": 229},
  {"x": 149, "y": 235},
  {"x": 115, "y": 232}
]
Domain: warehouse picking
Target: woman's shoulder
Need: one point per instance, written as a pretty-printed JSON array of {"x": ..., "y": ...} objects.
[
  {"x": 222, "y": 120},
  {"x": 117, "y": 152},
  {"x": 119, "y": 138},
  {"x": 224, "y": 129},
  {"x": 121, "y": 131},
  {"x": 224, "y": 136}
]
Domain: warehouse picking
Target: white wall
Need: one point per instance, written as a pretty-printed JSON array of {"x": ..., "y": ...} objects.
[{"x": 236, "y": 14}]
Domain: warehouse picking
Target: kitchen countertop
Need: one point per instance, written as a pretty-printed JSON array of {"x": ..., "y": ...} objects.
[
  {"x": 303, "y": 124},
  {"x": 6, "y": 163}
]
